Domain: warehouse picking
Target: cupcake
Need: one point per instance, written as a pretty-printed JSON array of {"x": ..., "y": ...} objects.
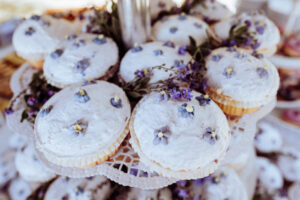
[
  {"x": 268, "y": 139},
  {"x": 239, "y": 82},
  {"x": 139, "y": 60},
  {"x": 289, "y": 163},
  {"x": 138, "y": 194},
  {"x": 179, "y": 139},
  {"x": 178, "y": 28},
  {"x": 269, "y": 176},
  {"x": 294, "y": 192},
  {"x": 97, "y": 187},
  {"x": 82, "y": 126},
  {"x": 79, "y": 58},
  {"x": 7, "y": 166},
  {"x": 19, "y": 189},
  {"x": 292, "y": 45},
  {"x": 37, "y": 36},
  {"x": 159, "y": 6},
  {"x": 211, "y": 11},
  {"x": 22, "y": 78},
  {"x": 291, "y": 116},
  {"x": 224, "y": 184},
  {"x": 30, "y": 167},
  {"x": 263, "y": 34}
]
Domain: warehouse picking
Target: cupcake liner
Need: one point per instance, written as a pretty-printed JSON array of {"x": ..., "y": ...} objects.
[
  {"x": 21, "y": 77},
  {"x": 236, "y": 108},
  {"x": 124, "y": 168},
  {"x": 109, "y": 74},
  {"x": 13, "y": 120}
]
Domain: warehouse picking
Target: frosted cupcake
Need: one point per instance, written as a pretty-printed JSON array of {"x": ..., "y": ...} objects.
[
  {"x": 239, "y": 82},
  {"x": 19, "y": 189},
  {"x": 97, "y": 187},
  {"x": 79, "y": 58},
  {"x": 82, "y": 126},
  {"x": 178, "y": 28},
  {"x": 289, "y": 163},
  {"x": 30, "y": 167},
  {"x": 158, "y": 6},
  {"x": 268, "y": 138},
  {"x": 294, "y": 192},
  {"x": 224, "y": 184},
  {"x": 179, "y": 139},
  {"x": 269, "y": 176},
  {"x": 141, "y": 58},
  {"x": 39, "y": 35},
  {"x": 264, "y": 33},
  {"x": 211, "y": 11}
]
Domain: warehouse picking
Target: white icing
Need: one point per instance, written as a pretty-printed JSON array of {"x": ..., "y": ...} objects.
[
  {"x": 45, "y": 38},
  {"x": 101, "y": 57},
  {"x": 289, "y": 163},
  {"x": 105, "y": 122},
  {"x": 17, "y": 141},
  {"x": 30, "y": 167},
  {"x": 186, "y": 148},
  {"x": 157, "y": 6},
  {"x": 269, "y": 176},
  {"x": 245, "y": 85},
  {"x": 138, "y": 194},
  {"x": 214, "y": 10},
  {"x": 185, "y": 28},
  {"x": 268, "y": 138},
  {"x": 229, "y": 186},
  {"x": 19, "y": 189},
  {"x": 269, "y": 39},
  {"x": 146, "y": 58},
  {"x": 294, "y": 192}
]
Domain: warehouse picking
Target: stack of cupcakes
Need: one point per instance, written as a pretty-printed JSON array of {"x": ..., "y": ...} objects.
[{"x": 177, "y": 108}]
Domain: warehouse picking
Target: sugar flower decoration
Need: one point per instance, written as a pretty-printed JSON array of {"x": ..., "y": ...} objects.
[
  {"x": 46, "y": 110},
  {"x": 163, "y": 96},
  {"x": 161, "y": 136},
  {"x": 262, "y": 71},
  {"x": 203, "y": 100},
  {"x": 136, "y": 48},
  {"x": 173, "y": 29},
  {"x": 100, "y": 39},
  {"x": 216, "y": 57},
  {"x": 210, "y": 136},
  {"x": 116, "y": 102},
  {"x": 198, "y": 25},
  {"x": 82, "y": 65},
  {"x": 228, "y": 72},
  {"x": 182, "y": 16},
  {"x": 158, "y": 52},
  {"x": 71, "y": 37},
  {"x": 182, "y": 50},
  {"x": 29, "y": 31},
  {"x": 186, "y": 111},
  {"x": 79, "y": 128},
  {"x": 170, "y": 43},
  {"x": 81, "y": 96},
  {"x": 56, "y": 53}
]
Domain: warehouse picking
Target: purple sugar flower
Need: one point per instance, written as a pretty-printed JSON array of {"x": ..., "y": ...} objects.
[
  {"x": 161, "y": 136},
  {"x": 248, "y": 41},
  {"x": 217, "y": 57},
  {"x": 262, "y": 72},
  {"x": 29, "y": 31},
  {"x": 181, "y": 183},
  {"x": 186, "y": 111},
  {"x": 183, "y": 193},
  {"x": 169, "y": 44},
  {"x": 8, "y": 111},
  {"x": 56, "y": 53},
  {"x": 260, "y": 30},
  {"x": 176, "y": 94},
  {"x": 163, "y": 96},
  {"x": 31, "y": 101},
  {"x": 173, "y": 29},
  {"x": 182, "y": 50},
  {"x": 158, "y": 52},
  {"x": 210, "y": 136},
  {"x": 248, "y": 23},
  {"x": 255, "y": 45},
  {"x": 187, "y": 94},
  {"x": 203, "y": 100}
]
